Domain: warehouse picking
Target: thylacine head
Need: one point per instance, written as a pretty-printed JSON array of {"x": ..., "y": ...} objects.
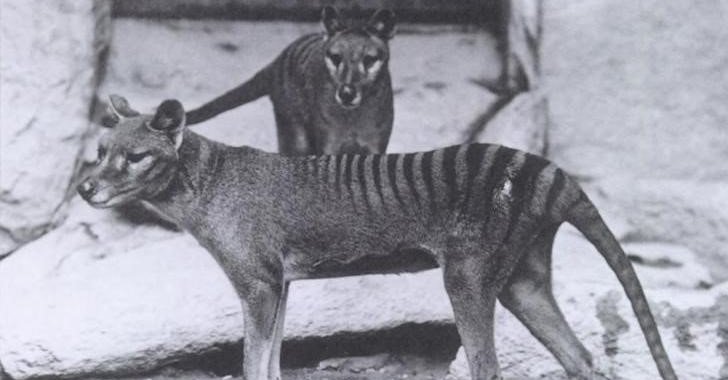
[
  {"x": 355, "y": 55},
  {"x": 137, "y": 159}
]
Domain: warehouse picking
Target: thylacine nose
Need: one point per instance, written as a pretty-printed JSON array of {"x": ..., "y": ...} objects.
[
  {"x": 86, "y": 188},
  {"x": 347, "y": 94}
]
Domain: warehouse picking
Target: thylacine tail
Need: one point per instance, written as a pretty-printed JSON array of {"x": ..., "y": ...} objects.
[
  {"x": 584, "y": 216},
  {"x": 259, "y": 85}
]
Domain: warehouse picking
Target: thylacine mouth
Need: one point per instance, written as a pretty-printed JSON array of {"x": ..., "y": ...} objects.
[{"x": 110, "y": 202}]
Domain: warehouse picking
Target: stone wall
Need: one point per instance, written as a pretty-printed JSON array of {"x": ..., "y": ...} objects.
[{"x": 50, "y": 53}]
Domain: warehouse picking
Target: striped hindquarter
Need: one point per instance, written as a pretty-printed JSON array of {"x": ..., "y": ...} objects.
[{"x": 499, "y": 197}]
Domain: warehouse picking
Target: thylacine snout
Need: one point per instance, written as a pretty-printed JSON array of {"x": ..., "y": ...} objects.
[
  {"x": 140, "y": 160},
  {"x": 355, "y": 55},
  {"x": 486, "y": 214}
]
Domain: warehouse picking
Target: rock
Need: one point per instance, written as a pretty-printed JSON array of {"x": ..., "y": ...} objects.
[
  {"x": 689, "y": 319},
  {"x": 100, "y": 295},
  {"x": 637, "y": 88},
  {"x": 50, "y": 53},
  {"x": 690, "y": 213},
  {"x": 436, "y": 94}
]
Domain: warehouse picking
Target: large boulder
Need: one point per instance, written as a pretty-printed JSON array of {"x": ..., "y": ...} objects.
[
  {"x": 691, "y": 319},
  {"x": 49, "y": 52},
  {"x": 101, "y": 296}
]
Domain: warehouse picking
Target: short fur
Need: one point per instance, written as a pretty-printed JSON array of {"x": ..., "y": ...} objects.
[
  {"x": 331, "y": 91},
  {"x": 485, "y": 214}
]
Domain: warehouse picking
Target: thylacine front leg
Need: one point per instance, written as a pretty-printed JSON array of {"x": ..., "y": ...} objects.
[
  {"x": 473, "y": 302},
  {"x": 274, "y": 367},
  {"x": 260, "y": 301}
]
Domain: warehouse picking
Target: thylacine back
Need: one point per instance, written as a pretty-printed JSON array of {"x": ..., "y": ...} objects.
[
  {"x": 486, "y": 214},
  {"x": 331, "y": 91}
]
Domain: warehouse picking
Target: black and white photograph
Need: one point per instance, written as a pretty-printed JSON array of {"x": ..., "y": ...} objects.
[{"x": 363, "y": 190}]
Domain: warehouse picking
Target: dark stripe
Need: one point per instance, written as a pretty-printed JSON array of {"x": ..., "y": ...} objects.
[
  {"x": 495, "y": 177},
  {"x": 449, "y": 172},
  {"x": 392, "y": 173},
  {"x": 305, "y": 170},
  {"x": 408, "y": 165},
  {"x": 347, "y": 173},
  {"x": 557, "y": 186},
  {"x": 523, "y": 189},
  {"x": 324, "y": 175},
  {"x": 303, "y": 45},
  {"x": 473, "y": 162},
  {"x": 337, "y": 174},
  {"x": 312, "y": 48},
  {"x": 326, "y": 160},
  {"x": 377, "y": 175},
  {"x": 426, "y": 168},
  {"x": 363, "y": 183}
]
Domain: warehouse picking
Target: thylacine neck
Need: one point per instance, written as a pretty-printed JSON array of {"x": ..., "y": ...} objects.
[{"x": 200, "y": 168}]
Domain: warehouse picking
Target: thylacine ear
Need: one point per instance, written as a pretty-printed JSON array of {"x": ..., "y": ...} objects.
[
  {"x": 331, "y": 20},
  {"x": 120, "y": 107},
  {"x": 117, "y": 109},
  {"x": 170, "y": 119},
  {"x": 382, "y": 24}
]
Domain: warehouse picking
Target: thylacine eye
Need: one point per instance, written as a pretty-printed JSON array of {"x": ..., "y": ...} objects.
[
  {"x": 335, "y": 58},
  {"x": 369, "y": 60},
  {"x": 137, "y": 157}
]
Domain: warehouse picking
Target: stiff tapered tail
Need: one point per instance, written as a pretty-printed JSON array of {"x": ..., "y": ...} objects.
[
  {"x": 257, "y": 86},
  {"x": 585, "y": 217}
]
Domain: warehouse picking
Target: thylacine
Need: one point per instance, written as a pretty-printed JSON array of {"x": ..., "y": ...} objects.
[
  {"x": 485, "y": 214},
  {"x": 331, "y": 91}
]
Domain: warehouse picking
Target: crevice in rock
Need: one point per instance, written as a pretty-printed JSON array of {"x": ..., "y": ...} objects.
[
  {"x": 477, "y": 127},
  {"x": 435, "y": 341}
]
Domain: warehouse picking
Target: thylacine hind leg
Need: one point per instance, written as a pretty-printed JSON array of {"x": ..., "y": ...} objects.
[
  {"x": 473, "y": 302},
  {"x": 528, "y": 295}
]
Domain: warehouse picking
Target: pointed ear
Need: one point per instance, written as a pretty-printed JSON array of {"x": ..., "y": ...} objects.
[
  {"x": 170, "y": 119},
  {"x": 120, "y": 107},
  {"x": 382, "y": 24},
  {"x": 331, "y": 20}
]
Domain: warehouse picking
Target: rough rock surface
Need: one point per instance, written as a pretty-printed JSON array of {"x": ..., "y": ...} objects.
[
  {"x": 637, "y": 89},
  {"x": 49, "y": 55},
  {"x": 691, "y": 319}
]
